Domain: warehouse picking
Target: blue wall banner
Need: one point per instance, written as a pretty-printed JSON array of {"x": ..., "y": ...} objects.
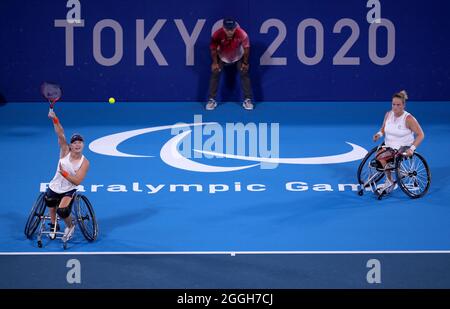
[{"x": 159, "y": 50}]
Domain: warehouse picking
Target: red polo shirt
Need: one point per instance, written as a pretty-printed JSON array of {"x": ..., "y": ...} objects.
[{"x": 230, "y": 50}]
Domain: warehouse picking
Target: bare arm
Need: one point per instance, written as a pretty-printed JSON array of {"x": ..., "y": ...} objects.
[
  {"x": 213, "y": 45},
  {"x": 64, "y": 148},
  {"x": 245, "y": 57},
  {"x": 78, "y": 178},
  {"x": 377, "y": 135},
  {"x": 214, "y": 57},
  {"x": 414, "y": 126}
]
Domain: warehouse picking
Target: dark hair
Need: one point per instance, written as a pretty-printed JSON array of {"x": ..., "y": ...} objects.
[
  {"x": 229, "y": 23},
  {"x": 402, "y": 95},
  {"x": 76, "y": 137}
]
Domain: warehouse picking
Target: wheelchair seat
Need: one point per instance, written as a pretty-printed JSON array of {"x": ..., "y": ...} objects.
[{"x": 82, "y": 215}]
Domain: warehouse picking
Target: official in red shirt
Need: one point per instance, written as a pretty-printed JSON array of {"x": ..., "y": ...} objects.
[{"x": 230, "y": 45}]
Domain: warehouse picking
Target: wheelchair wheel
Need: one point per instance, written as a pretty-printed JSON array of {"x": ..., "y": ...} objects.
[
  {"x": 35, "y": 216},
  {"x": 85, "y": 217},
  {"x": 367, "y": 173},
  {"x": 413, "y": 175}
]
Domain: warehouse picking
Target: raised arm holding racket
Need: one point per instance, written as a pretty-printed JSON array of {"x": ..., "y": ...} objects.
[{"x": 51, "y": 92}]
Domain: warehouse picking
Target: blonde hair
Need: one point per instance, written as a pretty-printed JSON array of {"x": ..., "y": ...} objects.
[{"x": 402, "y": 95}]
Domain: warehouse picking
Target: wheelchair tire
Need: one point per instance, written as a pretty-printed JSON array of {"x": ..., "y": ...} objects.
[
  {"x": 369, "y": 156},
  {"x": 35, "y": 216},
  {"x": 85, "y": 217},
  {"x": 411, "y": 177}
]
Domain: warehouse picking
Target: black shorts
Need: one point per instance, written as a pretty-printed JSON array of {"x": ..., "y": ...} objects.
[{"x": 52, "y": 199}]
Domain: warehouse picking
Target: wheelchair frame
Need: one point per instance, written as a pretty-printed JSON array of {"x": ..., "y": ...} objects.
[
  {"x": 395, "y": 167},
  {"x": 82, "y": 212}
]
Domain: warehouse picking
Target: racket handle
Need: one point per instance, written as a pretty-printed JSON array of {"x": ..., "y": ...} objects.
[{"x": 52, "y": 104}]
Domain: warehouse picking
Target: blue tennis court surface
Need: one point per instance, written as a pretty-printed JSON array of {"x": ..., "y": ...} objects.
[{"x": 182, "y": 214}]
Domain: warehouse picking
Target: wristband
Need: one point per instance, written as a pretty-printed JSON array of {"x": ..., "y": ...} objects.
[
  {"x": 55, "y": 120},
  {"x": 413, "y": 148},
  {"x": 64, "y": 173},
  {"x": 380, "y": 133}
]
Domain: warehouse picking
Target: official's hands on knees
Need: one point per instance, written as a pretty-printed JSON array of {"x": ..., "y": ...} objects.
[
  {"x": 215, "y": 67},
  {"x": 244, "y": 67},
  {"x": 409, "y": 152}
]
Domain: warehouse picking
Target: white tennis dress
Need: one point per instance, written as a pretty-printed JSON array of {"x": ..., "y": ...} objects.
[
  {"x": 396, "y": 132},
  {"x": 61, "y": 185}
]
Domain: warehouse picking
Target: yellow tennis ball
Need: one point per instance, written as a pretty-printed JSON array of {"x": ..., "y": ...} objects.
[{"x": 112, "y": 100}]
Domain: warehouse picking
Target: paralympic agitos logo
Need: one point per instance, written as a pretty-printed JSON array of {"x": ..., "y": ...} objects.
[{"x": 261, "y": 141}]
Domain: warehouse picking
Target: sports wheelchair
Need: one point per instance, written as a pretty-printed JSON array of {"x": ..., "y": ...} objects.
[
  {"x": 82, "y": 214},
  {"x": 411, "y": 174}
]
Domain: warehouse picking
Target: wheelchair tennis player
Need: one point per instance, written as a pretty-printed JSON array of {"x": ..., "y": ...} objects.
[
  {"x": 399, "y": 128},
  {"x": 71, "y": 171}
]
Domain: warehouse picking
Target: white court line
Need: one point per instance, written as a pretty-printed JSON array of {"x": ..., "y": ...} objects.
[{"x": 222, "y": 252}]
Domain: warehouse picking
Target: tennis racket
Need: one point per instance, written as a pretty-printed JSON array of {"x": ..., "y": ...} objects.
[{"x": 52, "y": 93}]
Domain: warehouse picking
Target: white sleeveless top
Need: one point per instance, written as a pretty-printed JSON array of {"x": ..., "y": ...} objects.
[
  {"x": 59, "y": 184},
  {"x": 396, "y": 132}
]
